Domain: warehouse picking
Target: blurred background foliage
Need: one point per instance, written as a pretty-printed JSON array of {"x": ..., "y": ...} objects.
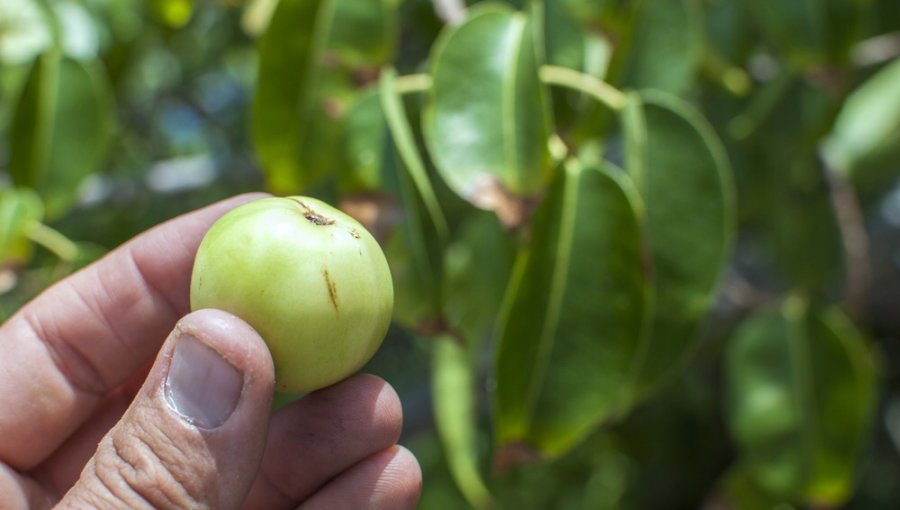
[{"x": 646, "y": 253}]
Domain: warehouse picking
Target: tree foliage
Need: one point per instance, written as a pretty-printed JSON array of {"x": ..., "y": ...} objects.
[{"x": 645, "y": 249}]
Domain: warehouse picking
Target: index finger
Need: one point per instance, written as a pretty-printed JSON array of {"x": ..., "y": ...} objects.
[{"x": 84, "y": 336}]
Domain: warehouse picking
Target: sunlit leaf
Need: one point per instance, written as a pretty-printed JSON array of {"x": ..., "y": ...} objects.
[
  {"x": 19, "y": 209},
  {"x": 486, "y": 122},
  {"x": 682, "y": 173},
  {"x": 573, "y": 318},
  {"x": 25, "y": 31},
  {"x": 864, "y": 144},
  {"x": 61, "y": 129}
]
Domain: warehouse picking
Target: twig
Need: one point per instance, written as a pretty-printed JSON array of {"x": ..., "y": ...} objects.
[{"x": 854, "y": 238}]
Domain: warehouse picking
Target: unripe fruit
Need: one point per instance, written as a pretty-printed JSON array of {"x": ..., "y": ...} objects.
[{"x": 309, "y": 278}]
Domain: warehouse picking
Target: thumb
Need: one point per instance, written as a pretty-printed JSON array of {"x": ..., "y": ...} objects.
[{"x": 195, "y": 433}]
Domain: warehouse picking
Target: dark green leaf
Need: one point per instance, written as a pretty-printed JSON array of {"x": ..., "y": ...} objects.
[
  {"x": 364, "y": 34},
  {"x": 666, "y": 46},
  {"x": 810, "y": 32},
  {"x": 61, "y": 129},
  {"x": 487, "y": 123},
  {"x": 682, "y": 172},
  {"x": 476, "y": 272},
  {"x": 574, "y": 314}
]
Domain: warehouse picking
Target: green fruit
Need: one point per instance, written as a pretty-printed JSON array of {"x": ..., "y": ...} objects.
[{"x": 309, "y": 278}]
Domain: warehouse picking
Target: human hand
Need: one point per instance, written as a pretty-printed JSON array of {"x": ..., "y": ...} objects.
[{"x": 192, "y": 428}]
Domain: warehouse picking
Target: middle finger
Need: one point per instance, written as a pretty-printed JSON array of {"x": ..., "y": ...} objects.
[{"x": 328, "y": 431}]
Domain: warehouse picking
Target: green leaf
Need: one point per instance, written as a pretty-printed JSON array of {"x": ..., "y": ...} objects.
[
  {"x": 665, "y": 48},
  {"x": 365, "y": 35},
  {"x": 864, "y": 143},
  {"x": 477, "y": 267},
  {"x": 365, "y": 135},
  {"x": 402, "y": 134},
  {"x": 574, "y": 314},
  {"x": 844, "y": 397},
  {"x": 61, "y": 129},
  {"x": 375, "y": 183},
  {"x": 284, "y": 110},
  {"x": 454, "y": 392},
  {"x": 307, "y": 60},
  {"x": 487, "y": 120},
  {"x": 811, "y": 32},
  {"x": 794, "y": 27},
  {"x": 682, "y": 173},
  {"x": 19, "y": 209},
  {"x": 800, "y": 395}
]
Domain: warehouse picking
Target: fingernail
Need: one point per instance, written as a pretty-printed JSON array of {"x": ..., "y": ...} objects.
[{"x": 201, "y": 386}]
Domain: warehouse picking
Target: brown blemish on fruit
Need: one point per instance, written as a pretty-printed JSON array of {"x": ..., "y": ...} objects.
[
  {"x": 332, "y": 289},
  {"x": 354, "y": 233},
  {"x": 313, "y": 216}
]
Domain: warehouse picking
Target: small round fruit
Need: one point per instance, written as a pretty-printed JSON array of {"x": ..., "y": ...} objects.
[{"x": 309, "y": 278}]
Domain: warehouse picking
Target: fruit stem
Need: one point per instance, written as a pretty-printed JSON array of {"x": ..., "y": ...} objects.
[{"x": 313, "y": 216}]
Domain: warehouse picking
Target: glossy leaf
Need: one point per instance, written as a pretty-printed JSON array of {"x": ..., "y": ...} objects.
[
  {"x": 454, "y": 392},
  {"x": 683, "y": 175},
  {"x": 574, "y": 314},
  {"x": 800, "y": 396},
  {"x": 305, "y": 83},
  {"x": 486, "y": 123},
  {"x": 61, "y": 129},
  {"x": 864, "y": 143},
  {"x": 19, "y": 209}
]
